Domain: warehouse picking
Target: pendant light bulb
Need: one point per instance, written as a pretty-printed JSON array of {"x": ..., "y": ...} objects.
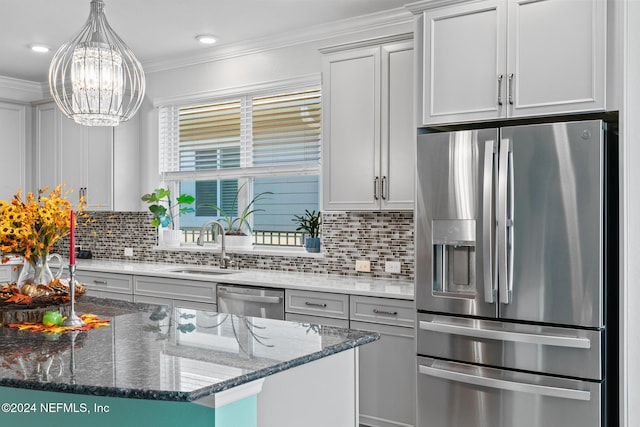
[{"x": 95, "y": 79}]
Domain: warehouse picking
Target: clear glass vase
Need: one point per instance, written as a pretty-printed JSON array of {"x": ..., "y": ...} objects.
[{"x": 36, "y": 270}]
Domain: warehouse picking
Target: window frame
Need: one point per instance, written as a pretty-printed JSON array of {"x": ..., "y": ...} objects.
[{"x": 245, "y": 174}]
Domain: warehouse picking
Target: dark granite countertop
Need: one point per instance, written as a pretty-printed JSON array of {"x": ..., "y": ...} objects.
[{"x": 152, "y": 352}]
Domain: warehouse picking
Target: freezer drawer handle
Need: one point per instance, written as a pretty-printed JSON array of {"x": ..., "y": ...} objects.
[
  {"x": 315, "y": 304},
  {"x": 505, "y": 385},
  {"x": 572, "y": 342},
  {"x": 249, "y": 298},
  {"x": 388, "y": 313}
]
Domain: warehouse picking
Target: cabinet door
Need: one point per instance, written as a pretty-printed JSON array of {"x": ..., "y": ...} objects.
[
  {"x": 13, "y": 143},
  {"x": 86, "y": 158},
  {"x": 99, "y": 168},
  {"x": 558, "y": 67},
  {"x": 387, "y": 395},
  {"x": 351, "y": 154},
  {"x": 72, "y": 154},
  {"x": 47, "y": 156},
  {"x": 463, "y": 62},
  {"x": 398, "y": 133},
  {"x": 126, "y": 165}
]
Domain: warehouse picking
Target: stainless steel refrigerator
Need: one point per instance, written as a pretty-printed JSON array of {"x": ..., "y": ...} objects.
[{"x": 512, "y": 240}]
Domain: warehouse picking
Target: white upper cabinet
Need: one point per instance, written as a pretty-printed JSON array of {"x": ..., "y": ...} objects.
[
  {"x": 79, "y": 156},
  {"x": 492, "y": 59},
  {"x": 13, "y": 119},
  {"x": 368, "y": 132}
]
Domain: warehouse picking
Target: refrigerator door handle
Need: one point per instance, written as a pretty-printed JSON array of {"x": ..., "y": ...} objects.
[
  {"x": 522, "y": 337},
  {"x": 489, "y": 283},
  {"x": 501, "y": 218},
  {"x": 510, "y": 225},
  {"x": 543, "y": 390}
]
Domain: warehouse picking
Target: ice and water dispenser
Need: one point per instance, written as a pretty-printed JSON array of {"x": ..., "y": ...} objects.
[{"x": 454, "y": 255}]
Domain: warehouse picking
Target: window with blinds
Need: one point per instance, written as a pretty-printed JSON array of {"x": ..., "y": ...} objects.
[
  {"x": 250, "y": 136},
  {"x": 269, "y": 140}
]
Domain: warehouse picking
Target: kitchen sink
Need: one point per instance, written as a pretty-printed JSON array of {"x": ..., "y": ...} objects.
[{"x": 201, "y": 271}]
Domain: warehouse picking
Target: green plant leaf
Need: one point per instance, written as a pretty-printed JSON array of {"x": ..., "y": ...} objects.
[
  {"x": 185, "y": 199},
  {"x": 158, "y": 210}
]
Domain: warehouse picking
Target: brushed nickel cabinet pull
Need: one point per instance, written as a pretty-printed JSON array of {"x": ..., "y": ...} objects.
[
  {"x": 375, "y": 188},
  {"x": 388, "y": 313},
  {"x": 500, "y": 89},
  {"x": 100, "y": 282},
  {"x": 315, "y": 304},
  {"x": 510, "y": 88},
  {"x": 383, "y": 186}
]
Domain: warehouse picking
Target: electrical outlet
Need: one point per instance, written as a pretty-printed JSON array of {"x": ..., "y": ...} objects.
[
  {"x": 392, "y": 267},
  {"x": 128, "y": 251},
  {"x": 363, "y": 266}
]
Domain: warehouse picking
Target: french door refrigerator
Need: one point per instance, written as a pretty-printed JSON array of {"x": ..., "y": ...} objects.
[{"x": 511, "y": 253}]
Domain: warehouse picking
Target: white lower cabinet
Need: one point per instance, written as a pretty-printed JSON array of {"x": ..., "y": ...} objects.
[
  {"x": 106, "y": 285},
  {"x": 176, "y": 293},
  {"x": 9, "y": 273},
  {"x": 317, "y": 308},
  {"x": 387, "y": 366}
]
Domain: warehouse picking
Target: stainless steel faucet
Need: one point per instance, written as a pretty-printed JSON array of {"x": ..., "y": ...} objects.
[{"x": 224, "y": 259}]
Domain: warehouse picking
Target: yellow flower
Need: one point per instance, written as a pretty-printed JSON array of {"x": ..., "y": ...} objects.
[{"x": 31, "y": 227}]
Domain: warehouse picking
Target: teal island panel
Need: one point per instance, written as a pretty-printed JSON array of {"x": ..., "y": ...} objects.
[{"x": 45, "y": 408}]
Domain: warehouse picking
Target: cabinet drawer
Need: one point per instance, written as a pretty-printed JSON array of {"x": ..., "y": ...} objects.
[
  {"x": 122, "y": 283},
  {"x": 176, "y": 289},
  {"x": 7, "y": 274},
  {"x": 317, "y": 320},
  {"x": 383, "y": 310},
  {"x": 317, "y": 304}
]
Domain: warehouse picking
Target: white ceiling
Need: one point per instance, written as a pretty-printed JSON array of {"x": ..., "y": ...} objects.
[{"x": 159, "y": 30}]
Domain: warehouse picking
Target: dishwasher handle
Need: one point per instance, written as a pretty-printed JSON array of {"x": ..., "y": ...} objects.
[{"x": 249, "y": 298}]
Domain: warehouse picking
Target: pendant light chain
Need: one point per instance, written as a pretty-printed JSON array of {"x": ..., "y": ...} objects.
[{"x": 95, "y": 79}]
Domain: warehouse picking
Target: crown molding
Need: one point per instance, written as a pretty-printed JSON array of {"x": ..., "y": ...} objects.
[
  {"x": 420, "y": 6},
  {"x": 26, "y": 90},
  {"x": 255, "y": 89},
  {"x": 346, "y": 27}
]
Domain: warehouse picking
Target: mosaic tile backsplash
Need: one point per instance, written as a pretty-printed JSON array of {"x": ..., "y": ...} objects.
[{"x": 346, "y": 237}]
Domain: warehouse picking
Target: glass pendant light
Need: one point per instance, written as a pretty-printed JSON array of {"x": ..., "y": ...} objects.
[{"x": 95, "y": 79}]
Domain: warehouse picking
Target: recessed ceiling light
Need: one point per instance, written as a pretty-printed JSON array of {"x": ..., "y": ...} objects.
[
  {"x": 206, "y": 39},
  {"x": 40, "y": 48}
]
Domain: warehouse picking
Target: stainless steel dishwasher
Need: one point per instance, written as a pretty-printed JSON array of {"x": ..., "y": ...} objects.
[{"x": 251, "y": 301}]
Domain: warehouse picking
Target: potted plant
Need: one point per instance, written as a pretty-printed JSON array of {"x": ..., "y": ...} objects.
[
  {"x": 237, "y": 227},
  {"x": 310, "y": 223},
  {"x": 165, "y": 211}
]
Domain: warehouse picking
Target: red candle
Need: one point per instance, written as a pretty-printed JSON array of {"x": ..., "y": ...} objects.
[{"x": 72, "y": 239}]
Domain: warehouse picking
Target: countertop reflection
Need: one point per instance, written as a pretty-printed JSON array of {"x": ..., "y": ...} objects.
[{"x": 155, "y": 352}]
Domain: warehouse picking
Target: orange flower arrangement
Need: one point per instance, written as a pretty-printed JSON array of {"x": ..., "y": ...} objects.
[{"x": 31, "y": 227}]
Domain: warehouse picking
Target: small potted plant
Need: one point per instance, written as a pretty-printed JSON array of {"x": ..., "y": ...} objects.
[
  {"x": 237, "y": 227},
  {"x": 310, "y": 223},
  {"x": 165, "y": 211}
]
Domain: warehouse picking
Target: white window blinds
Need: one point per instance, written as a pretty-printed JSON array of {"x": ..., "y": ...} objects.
[{"x": 245, "y": 137}]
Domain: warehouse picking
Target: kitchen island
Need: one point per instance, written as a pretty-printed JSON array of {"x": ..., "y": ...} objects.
[{"x": 158, "y": 366}]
